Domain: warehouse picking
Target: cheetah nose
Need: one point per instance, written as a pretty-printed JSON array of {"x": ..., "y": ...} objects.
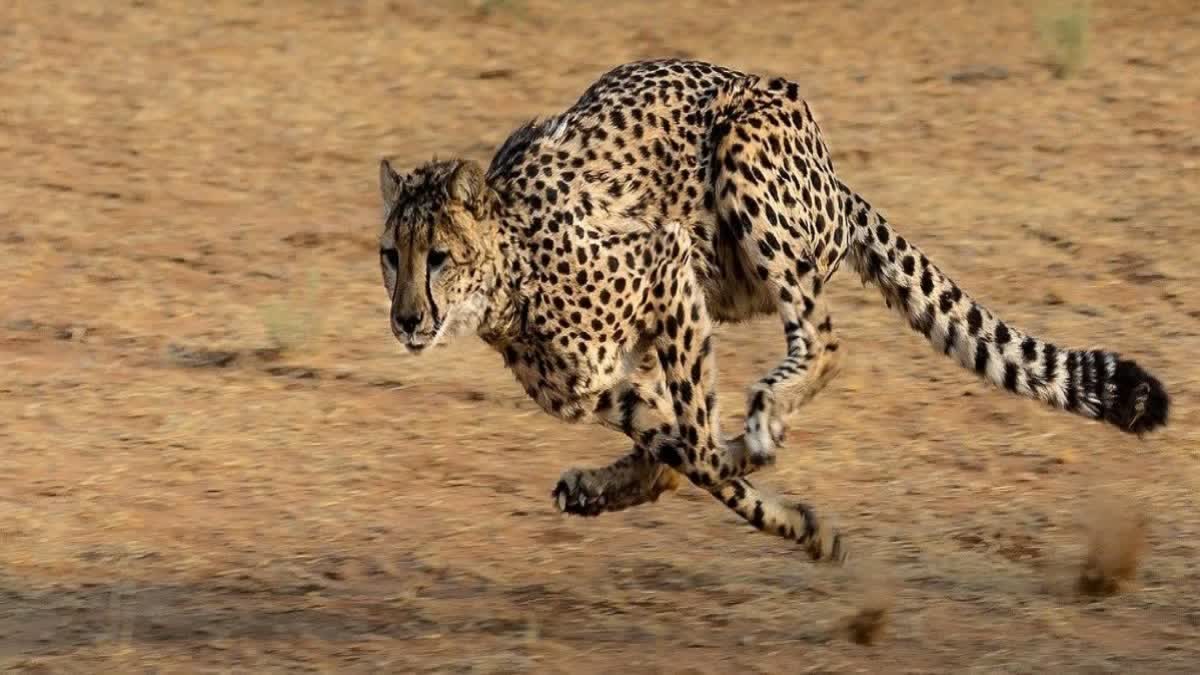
[{"x": 406, "y": 324}]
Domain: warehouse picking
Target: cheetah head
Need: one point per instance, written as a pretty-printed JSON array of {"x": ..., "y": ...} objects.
[{"x": 437, "y": 251}]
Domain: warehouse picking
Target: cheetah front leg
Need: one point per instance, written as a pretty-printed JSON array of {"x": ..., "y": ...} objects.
[
  {"x": 638, "y": 478},
  {"x": 691, "y": 445},
  {"x": 633, "y": 480}
]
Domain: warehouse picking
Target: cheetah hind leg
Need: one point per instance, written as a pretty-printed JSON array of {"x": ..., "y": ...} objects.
[
  {"x": 784, "y": 230},
  {"x": 814, "y": 359}
]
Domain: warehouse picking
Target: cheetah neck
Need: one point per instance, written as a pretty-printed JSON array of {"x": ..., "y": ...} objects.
[{"x": 504, "y": 320}]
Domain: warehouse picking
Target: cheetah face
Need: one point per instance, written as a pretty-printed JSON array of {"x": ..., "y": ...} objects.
[{"x": 434, "y": 252}]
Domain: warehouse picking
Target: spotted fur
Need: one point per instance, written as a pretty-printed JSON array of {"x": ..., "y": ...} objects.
[{"x": 601, "y": 246}]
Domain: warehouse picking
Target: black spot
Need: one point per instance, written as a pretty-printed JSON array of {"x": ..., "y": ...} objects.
[
  {"x": 909, "y": 264},
  {"x": 1029, "y": 348},
  {"x": 1003, "y": 336},
  {"x": 756, "y": 518},
  {"x": 604, "y": 402},
  {"x": 951, "y": 338},
  {"x": 874, "y": 265},
  {"x": 771, "y": 240},
  {"x": 945, "y": 302},
  {"x": 927, "y": 282},
  {"x": 982, "y": 354},
  {"x": 758, "y": 403},
  {"x": 669, "y": 455},
  {"x": 1100, "y": 380},
  {"x": 1049, "y": 362},
  {"x": 974, "y": 320},
  {"x": 1010, "y": 376}
]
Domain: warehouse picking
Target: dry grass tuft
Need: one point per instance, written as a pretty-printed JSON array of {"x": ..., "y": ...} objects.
[
  {"x": 1064, "y": 27},
  {"x": 1116, "y": 545}
]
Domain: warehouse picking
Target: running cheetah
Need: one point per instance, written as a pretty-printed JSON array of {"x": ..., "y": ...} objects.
[{"x": 601, "y": 246}]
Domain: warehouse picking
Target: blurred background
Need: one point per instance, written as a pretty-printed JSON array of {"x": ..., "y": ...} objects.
[{"x": 215, "y": 458}]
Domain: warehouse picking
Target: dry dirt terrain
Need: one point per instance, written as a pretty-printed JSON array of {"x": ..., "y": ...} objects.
[{"x": 215, "y": 458}]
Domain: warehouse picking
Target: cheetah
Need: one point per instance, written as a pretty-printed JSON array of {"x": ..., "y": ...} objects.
[{"x": 602, "y": 245}]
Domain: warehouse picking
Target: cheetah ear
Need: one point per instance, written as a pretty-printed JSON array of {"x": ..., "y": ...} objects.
[
  {"x": 466, "y": 184},
  {"x": 389, "y": 182}
]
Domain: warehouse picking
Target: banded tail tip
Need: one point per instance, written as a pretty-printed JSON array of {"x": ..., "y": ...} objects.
[{"x": 1141, "y": 403}]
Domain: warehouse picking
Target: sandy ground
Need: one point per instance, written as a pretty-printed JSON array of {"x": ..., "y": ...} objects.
[{"x": 186, "y": 186}]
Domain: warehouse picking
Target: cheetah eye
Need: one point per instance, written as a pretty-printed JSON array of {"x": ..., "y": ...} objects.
[
  {"x": 437, "y": 258},
  {"x": 391, "y": 256}
]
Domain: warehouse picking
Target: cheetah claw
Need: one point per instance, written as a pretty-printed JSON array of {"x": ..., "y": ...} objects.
[{"x": 574, "y": 495}]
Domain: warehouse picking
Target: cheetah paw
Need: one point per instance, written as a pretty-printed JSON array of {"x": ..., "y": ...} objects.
[
  {"x": 577, "y": 495},
  {"x": 739, "y": 448},
  {"x": 764, "y": 433}
]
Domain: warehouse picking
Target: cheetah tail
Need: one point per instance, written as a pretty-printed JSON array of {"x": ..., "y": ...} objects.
[{"x": 1093, "y": 383}]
